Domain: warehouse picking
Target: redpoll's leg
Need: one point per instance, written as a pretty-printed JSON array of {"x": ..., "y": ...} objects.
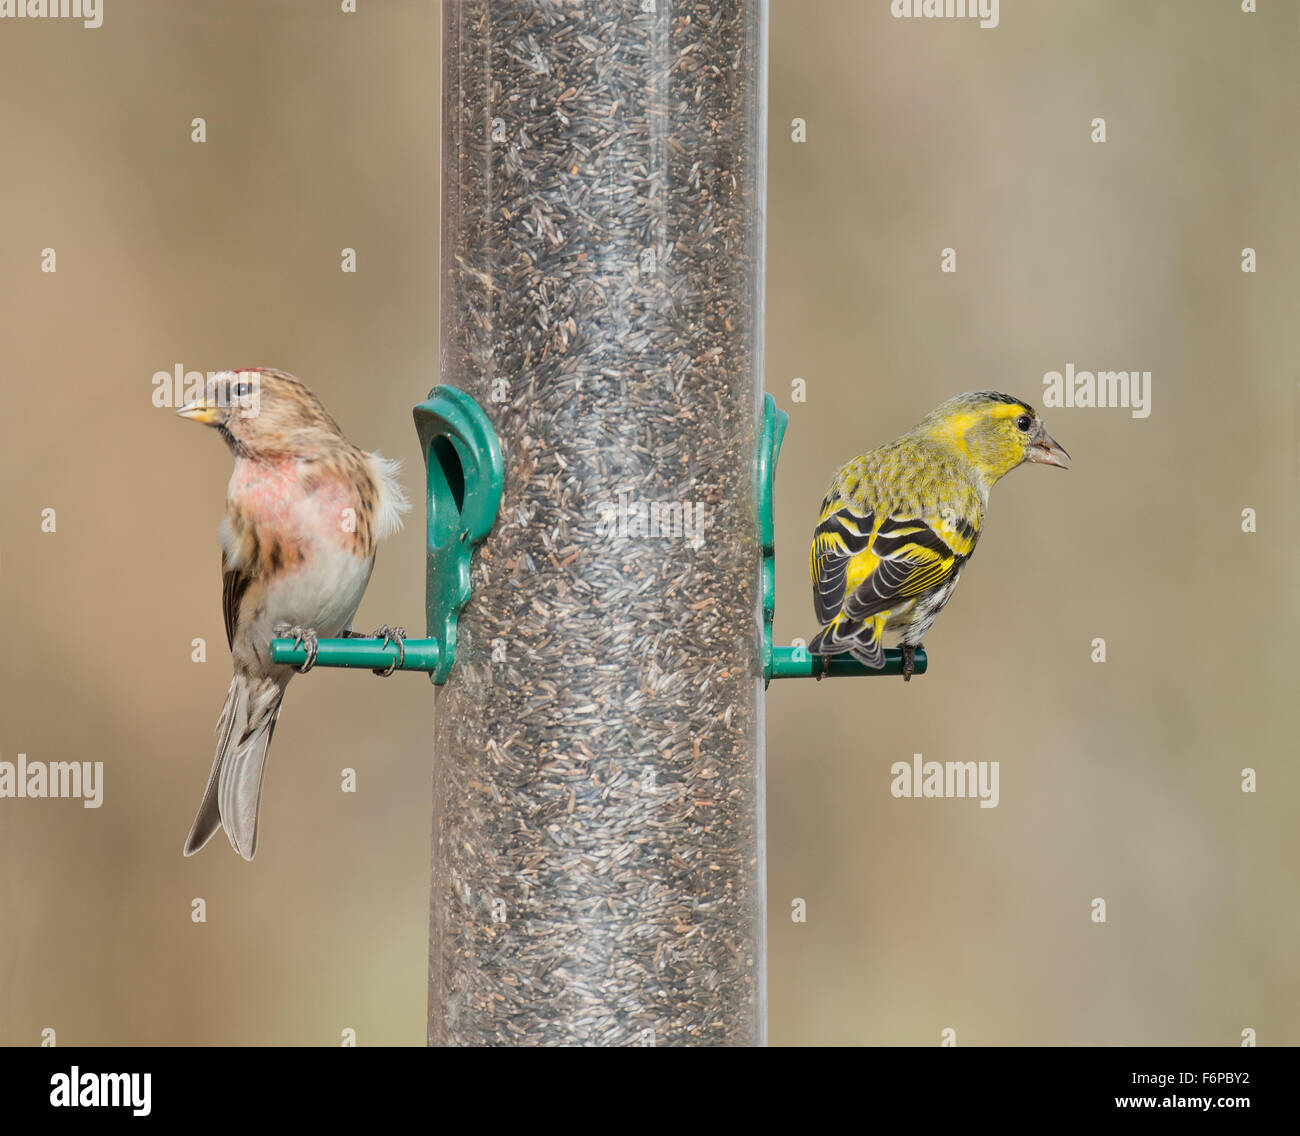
[
  {"x": 909, "y": 661},
  {"x": 392, "y": 635}
]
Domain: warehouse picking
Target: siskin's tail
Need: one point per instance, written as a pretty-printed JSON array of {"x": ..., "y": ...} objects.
[
  {"x": 863, "y": 639},
  {"x": 234, "y": 788}
]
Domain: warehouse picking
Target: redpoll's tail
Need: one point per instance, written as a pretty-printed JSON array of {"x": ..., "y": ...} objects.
[{"x": 234, "y": 789}]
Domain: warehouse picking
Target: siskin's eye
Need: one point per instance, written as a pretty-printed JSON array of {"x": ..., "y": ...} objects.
[{"x": 1023, "y": 422}]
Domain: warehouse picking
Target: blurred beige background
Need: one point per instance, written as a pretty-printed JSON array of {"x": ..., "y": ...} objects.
[{"x": 1118, "y": 780}]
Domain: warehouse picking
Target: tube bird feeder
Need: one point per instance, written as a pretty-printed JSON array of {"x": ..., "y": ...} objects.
[{"x": 598, "y": 841}]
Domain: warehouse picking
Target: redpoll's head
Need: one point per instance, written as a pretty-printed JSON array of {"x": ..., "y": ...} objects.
[{"x": 261, "y": 412}]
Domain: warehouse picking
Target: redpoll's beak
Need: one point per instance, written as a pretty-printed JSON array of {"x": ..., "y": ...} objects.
[
  {"x": 199, "y": 411},
  {"x": 1048, "y": 451}
]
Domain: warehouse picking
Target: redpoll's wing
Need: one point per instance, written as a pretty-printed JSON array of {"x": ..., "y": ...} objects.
[
  {"x": 234, "y": 583},
  {"x": 843, "y": 534}
]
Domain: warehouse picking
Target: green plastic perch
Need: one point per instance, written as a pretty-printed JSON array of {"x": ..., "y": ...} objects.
[
  {"x": 363, "y": 654},
  {"x": 795, "y": 662}
]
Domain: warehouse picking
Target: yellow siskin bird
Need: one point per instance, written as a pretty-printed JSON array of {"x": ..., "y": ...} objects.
[{"x": 898, "y": 524}]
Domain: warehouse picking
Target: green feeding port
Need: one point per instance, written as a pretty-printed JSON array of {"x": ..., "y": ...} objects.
[
  {"x": 462, "y": 458},
  {"x": 796, "y": 662},
  {"x": 465, "y": 476}
]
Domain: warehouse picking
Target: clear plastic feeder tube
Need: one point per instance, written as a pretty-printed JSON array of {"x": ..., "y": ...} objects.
[{"x": 598, "y": 844}]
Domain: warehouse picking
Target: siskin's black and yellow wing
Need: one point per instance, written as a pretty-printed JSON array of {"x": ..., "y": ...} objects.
[{"x": 866, "y": 566}]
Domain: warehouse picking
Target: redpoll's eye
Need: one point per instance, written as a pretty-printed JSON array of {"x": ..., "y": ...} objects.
[
  {"x": 1023, "y": 423},
  {"x": 241, "y": 390}
]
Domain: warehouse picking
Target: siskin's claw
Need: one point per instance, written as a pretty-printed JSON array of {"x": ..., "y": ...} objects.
[{"x": 392, "y": 635}]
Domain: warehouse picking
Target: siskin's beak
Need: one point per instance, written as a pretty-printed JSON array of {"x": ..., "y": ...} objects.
[
  {"x": 1048, "y": 451},
  {"x": 200, "y": 411}
]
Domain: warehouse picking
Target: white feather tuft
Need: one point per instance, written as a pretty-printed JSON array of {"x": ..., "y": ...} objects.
[{"x": 392, "y": 498}]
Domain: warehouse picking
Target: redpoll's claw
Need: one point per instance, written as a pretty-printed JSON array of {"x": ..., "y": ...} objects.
[
  {"x": 302, "y": 637},
  {"x": 392, "y": 635}
]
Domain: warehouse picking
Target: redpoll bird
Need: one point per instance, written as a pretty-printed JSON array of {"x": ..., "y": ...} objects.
[{"x": 304, "y": 510}]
